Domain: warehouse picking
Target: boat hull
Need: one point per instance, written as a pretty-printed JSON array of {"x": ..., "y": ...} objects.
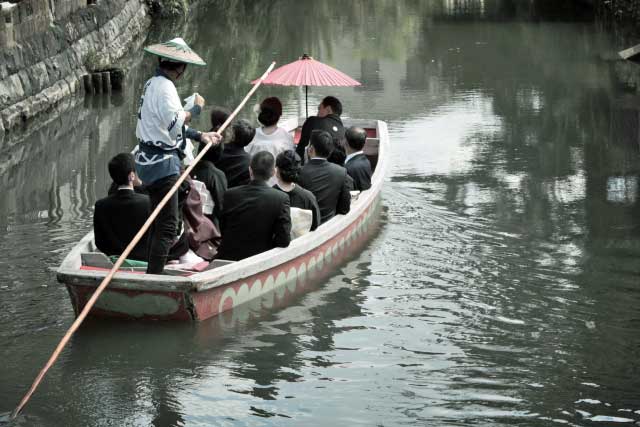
[{"x": 267, "y": 289}]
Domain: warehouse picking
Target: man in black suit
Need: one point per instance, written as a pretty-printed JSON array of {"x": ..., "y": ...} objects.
[
  {"x": 357, "y": 164},
  {"x": 234, "y": 161},
  {"x": 327, "y": 181},
  {"x": 255, "y": 217},
  {"x": 328, "y": 119},
  {"x": 118, "y": 217}
]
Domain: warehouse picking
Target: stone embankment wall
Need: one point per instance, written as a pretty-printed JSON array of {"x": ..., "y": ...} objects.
[{"x": 46, "y": 46}]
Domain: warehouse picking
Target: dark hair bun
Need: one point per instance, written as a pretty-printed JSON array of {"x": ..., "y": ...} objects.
[
  {"x": 289, "y": 165},
  {"x": 270, "y": 111}
]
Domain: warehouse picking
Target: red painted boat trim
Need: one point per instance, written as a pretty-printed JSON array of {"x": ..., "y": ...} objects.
[
  {"x": 292, "y": 276},
  {"x": 270, "y": 288}
]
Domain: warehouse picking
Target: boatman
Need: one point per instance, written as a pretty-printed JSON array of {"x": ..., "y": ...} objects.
[{"x": 162, "y": 134}]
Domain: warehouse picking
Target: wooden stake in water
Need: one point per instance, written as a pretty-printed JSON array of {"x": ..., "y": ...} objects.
[{"x": 129, "y": 248}]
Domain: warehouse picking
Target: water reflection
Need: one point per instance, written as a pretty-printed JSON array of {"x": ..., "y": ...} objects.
[{"x": 502, "y": 290}]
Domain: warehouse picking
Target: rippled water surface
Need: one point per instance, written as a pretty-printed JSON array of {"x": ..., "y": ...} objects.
[{"x": 502, "y": 288}]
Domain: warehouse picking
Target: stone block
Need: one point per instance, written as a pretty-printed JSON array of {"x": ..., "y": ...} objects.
[
  {"x": 38, "y": 50},
  {"x": 72, "y": 58},
  {"x": 71, "y": 33},
  {"x": 11, "y": 90},
  {"x": 110, "y": 31},
  {"x": 40, "y": 103},
  {"x": 65, "y": 66},
  {"x": 65, "y": 89},
  {"x": 72, "y": 82},
  {"x": 27, "y": 110},
  {"x": 51, "y": 44},
  {"x": 3, "y": 68},
  {"x": 53, "y": 68},
  {"x": 12, "y": 60},
  {"x": 28, "y": 54},
  {"x": 39, "y": 77},
  {"x": 102, "y": 15},
  {"x": 82, "y": 48},
  {"x": 51, "y": 94},
  {"x": 12, "y": 116},
  {"x": 5, "y": 93},
  {"x": 77, "y": 54},
  {"x": 25, "y": 80}
]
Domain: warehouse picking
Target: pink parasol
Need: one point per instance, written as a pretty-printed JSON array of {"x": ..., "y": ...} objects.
[{"x": 306, "y": 72}]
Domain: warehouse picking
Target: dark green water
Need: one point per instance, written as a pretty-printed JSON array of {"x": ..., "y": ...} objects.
[{"x": 503, "y": 288}]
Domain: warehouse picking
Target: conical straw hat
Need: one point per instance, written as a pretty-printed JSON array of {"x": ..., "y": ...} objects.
[{"x": 176, "y": 50}]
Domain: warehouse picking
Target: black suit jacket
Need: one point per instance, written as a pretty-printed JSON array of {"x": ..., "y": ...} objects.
[
  {"x": 330, "y": 184},
  {"x": 331, "y": 123},
  {"x": 116, "y": 220},
  {"x": 255, "y": 219},
  {"x": 234, "y": 162},
  {"x": 359, "y": 169}
]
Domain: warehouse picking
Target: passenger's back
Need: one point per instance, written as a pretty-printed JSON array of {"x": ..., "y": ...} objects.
[
  {"x": 329, "y": 183},
  {"x": 255, "y": 219}
]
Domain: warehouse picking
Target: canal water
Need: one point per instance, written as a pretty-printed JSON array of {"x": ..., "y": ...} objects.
[{"x": 503, "y": 287}]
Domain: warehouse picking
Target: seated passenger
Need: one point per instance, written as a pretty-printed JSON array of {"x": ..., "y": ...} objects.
[
  {"x": 255, "y": 217},
  {"x": 327, "y": 181},
  {"x": 270, "y": 137},
  {"x": 217, "y": 117},
  {"x": 118, "y": 217},
  {"x": 339, "y": 153},
  {"x": 214, "y": 180},
  {"x": 288, "y": 167},
  {"x": 357, "y": 164},
  {"x": 234, "y": 161},
  {"x": 328, "y": 119}
]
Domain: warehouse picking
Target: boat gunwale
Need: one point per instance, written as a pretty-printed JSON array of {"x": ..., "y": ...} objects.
[{"x": 248, "y": 267}]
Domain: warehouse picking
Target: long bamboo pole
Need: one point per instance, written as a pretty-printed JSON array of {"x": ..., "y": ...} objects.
[{"x": 85, "y": 311}]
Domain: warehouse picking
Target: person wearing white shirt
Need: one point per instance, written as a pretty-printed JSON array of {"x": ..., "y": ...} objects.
[
  {"x": 162, "y": 134},
  {"x": 270, "y": 137}
]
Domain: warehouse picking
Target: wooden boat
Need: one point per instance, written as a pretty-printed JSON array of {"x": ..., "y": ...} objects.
[{"x": 268, "y": 278}]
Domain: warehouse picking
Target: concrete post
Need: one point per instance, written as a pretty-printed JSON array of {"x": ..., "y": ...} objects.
[
  {"x": 97, "y": 82},
  {"x": 117, "y": 79},
  {"x": 106, "y": 81},
  {"x": 88, "y": 83}
]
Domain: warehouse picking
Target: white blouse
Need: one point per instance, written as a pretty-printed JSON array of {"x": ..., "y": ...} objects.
[{"x": 275, "y": 143}]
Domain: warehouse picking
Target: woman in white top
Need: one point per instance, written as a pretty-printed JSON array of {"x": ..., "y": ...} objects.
[{"x": 269, "y": 137}]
